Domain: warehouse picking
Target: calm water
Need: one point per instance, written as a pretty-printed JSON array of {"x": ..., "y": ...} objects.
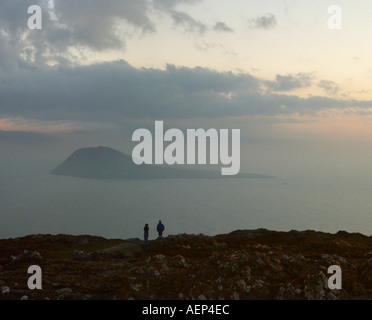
[{"x": 42, "y": 203}]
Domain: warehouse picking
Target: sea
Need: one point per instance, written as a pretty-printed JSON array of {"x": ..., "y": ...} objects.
[{"x": 32, "y": 201}]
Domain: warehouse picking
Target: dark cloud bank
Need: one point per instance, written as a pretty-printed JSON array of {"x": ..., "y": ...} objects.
[{"x": 115, "y": 91}]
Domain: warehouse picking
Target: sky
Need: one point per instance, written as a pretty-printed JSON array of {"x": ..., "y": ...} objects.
[{"x": 98, "y": 70}]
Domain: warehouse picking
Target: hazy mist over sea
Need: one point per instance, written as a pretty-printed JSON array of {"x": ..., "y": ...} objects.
[{"x": 323, "y": 186}]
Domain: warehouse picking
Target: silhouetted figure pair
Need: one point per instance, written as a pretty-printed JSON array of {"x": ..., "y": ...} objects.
[{"x": 160, "y": 228}]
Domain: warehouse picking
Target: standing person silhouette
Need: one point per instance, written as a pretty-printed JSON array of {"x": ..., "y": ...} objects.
[
  {"x": 160, "y": 228},
  {"x": 146, "y": 230}
]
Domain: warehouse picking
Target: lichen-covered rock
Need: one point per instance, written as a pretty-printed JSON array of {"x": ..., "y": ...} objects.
[{"x": 5, "y": 290}]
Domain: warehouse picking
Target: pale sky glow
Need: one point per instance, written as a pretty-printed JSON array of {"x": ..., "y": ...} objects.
[
  {"x": 186, "y": 59},
  {"x": 301, "y": 42}
]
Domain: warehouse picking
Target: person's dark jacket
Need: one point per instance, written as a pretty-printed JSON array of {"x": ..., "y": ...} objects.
[{"x": 160, "y": 227}]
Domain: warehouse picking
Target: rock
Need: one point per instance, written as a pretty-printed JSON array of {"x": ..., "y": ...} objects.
[
  {"x": 359, "y": 289},
  {"x": 164, "y": 267},
  {"x": 27, "y": 255},
  {"x": 181, "y": 261},
  {"x": 248, "y": 272},
  {"x": 15, "y": 258},
  {"x": 341, "y": 260},
  {"x": 160, "y": 257},
  {"x": 201, "y": 297},
  {"x": 144, "y": 272},
  {"x": 369, "y": 262},
  {"x": 65, "y": 293},
  {"x": 32, "y": 254},
  {"x": 236, "y": 296},
  {"x": 241, "y": 284},
  {"x": 136, "y": 287},
  {"x": 5, "y": 290},
  {"x": 276, "y": 267},
  {"x": 24, "y": 298},
  {"x": 83, "y": 242},
  {"x": 259, "y": 283},
  {"x": 35, "y": 255},
  {"x": 79, "y": 255}
]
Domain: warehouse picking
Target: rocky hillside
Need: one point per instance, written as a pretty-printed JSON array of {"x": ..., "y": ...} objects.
[{"x": 256, "y": 264}]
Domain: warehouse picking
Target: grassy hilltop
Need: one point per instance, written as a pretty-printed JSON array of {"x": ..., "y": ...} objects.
[{"x": 258, "y": 264}]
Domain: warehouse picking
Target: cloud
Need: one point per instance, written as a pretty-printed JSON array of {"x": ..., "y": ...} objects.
[
  {"x": 329, "y": 86},
  {"x": 206, "y": 46},
  {"x": 14, "y": 42},
  {"x": 92, "y": 24},
  {"x": 264, "y": 22},
  {"x": 13, "y": 15},
  {"x": 173, "y": 3},
  {"x": 289, "y": 82},
  {"x": 189, "y": 23},
  {"x": 222, "y": 27},
  {"x": 112, "y": 93},
  {"x": 72, "y": 30},
  {"x": 181, "y": 18},
  {"x": 285, "y": 4},
  {"x": 68, "y": 25}
]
